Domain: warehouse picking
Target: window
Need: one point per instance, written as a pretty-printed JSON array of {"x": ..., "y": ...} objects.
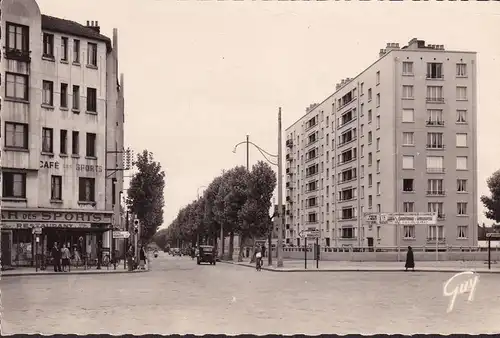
[
  {"x": 435, "y": 94},
  {"x": 370, "y": 158},
  {"x": 377, "y": 78},
  {"x": 408, "y": 206},
  {"x": 435, "y": 187},
  {"x": 461, "y": 140},
  {"x": 461, "y": 208},
  {"x": 362, "y": 171},
  {"x": 56, "y": 188},
  {"x": 436, "y": 232},
  {"x": 17, "y": 38},
  {"x": 408, "y": 139},
  {"x": 16, "y": 135},
  {"x": 63, "y": 144},
  {"x": 462, "y": 232},
  {"x": 408, "y": 162},
  {"x": 377, "y": 122},
  {"x": 362, "y": 108},
  {"x": 461, "y": 70},
  {"x": 461, "y": 162},
  {"x": 48, "y": 93},
  {"x": 64, "y": 95},
  {"x": 48, "y": 45},
  {"x": 435, "y": 164},
  {"x": 461, "y": 93},
  {"x": 407, "y": 92},
  {"x": 16, "y": 86},
  {"x": 362, "y": 150},
  {"x": 64, "y": 48},
  {"x": 408, "y": 185},
  {"x": 377, "y": 100},
  {"x": 14, "y": 185},
  {"x": 378, "y": 188},
  {"x": 369, "y": 94},
  {"x": 461, "y": 185},
  {"x": 76, "y": 97},
  {"x": 362, "y": 191},
  {"x": 347, "y": 232},
  {"x": 435, "y": 117},
  {"x": 461, "y": 116},
  {"x": 434, "y": 70},
  {"x": 91, "y": 145},
  {"x": 362, "y": 88},
  {"x": 370, "y": 137},
  {"x": 47, "y": 140},
  {"x": 76, "y": 143},
  {"x": 436, "y": 207},
  {"x": 86, "y": 191},
  {"x": 378, "y": 144},
  {"x": 407, "y": 68},
  {"x": 369, "y": 115},
  {"x": 92, "y": 54},
  {"x": 76, "y": 51},
  {"x": 370, "y": 201},
  {"x": 435, "y": 141},
  {"x": 370, "y": 180},
  {"x": 409, "y": 231},
  {"x": 91, "y": 100},
  {"x": 378, "y": 166},
  {"x": 408, "y": 115}
]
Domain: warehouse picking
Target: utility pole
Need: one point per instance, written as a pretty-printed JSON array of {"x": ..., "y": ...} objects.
[{"x": 280, "y": 196}]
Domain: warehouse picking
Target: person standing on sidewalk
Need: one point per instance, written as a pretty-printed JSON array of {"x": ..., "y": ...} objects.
[
  {"x": 65, "y": 255},
  {"x": 410, "y": 261},
  {"x": 56, "y": 257},
  {"x": 142, "y": 258},
  {"x": 130, "y": 258}
]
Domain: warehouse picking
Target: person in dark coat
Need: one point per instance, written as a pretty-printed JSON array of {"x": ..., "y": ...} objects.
[
  {"x": 56, "y": 256},
  {"x": 410, "y": 261}
]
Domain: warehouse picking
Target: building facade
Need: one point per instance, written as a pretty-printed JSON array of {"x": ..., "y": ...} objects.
[
  {"x": 399, "y": 137},
  {"x": 61, "y": 96}
]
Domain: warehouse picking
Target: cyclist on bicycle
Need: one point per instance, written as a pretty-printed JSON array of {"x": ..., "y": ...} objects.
[{"x": 258, "y": 259}]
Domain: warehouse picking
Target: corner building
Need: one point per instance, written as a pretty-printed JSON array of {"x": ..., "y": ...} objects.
[
  {"x": 399, "y": 137},
  {"x": 61, "y": 96}
]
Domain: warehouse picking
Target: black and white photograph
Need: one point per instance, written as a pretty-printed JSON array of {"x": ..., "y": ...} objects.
[{"x": 232, "y": 167}]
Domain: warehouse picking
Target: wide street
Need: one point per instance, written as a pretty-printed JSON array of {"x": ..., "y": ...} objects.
[{"x": 178, "y": 296}]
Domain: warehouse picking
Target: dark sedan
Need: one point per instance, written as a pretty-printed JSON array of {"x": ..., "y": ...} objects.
[{"x": 206, "y": 254}]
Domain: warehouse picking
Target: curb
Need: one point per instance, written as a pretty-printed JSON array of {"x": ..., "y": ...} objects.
[
  {"x": 451, "y": 270},
  {"x": 105, "y": 272}
]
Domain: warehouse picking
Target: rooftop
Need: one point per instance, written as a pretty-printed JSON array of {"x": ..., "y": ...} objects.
[{"x": 58, "y": 25}]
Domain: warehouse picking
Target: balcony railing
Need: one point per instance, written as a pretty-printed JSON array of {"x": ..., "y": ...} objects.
[
  {"x": 289, "y": 143},
  {"x": 17, "y": 54},
  {"x": 435, "y": 170},
  {"x": 311, "y": 158},
  {"x": 345, "y": 180},
  {"x": 289, "y": 199},
  {"x": 435, "y": 193},
  {"x": 344, "y": 142},
  {"x": 435, "y": 123},
  {"x": 310, "y": 143},
  {"x": 435, "y": 146},
  {"x": 435, "y": 100},
  {"x": 288, "y": 157},
  {"x": 288, "y": 170},
  {"x": 441, "y": 240}
]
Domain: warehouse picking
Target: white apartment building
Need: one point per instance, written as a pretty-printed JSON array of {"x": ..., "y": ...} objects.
[
  {"x": 62, "y": 129},
  {"x": 398, "y": 137}
]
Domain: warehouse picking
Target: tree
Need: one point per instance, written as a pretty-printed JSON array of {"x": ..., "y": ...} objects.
[
  {"x": 160, "y": 238},
  {"x": 492, "y": 204},
  {"x": 256, "y": 221},
  {"x": 145, "y": 195}
]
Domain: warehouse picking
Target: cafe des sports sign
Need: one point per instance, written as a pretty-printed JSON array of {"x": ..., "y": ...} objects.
[{"x": 28, "y": 219}]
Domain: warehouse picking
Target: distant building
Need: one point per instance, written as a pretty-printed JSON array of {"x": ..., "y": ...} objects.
[
  {"x": 398, "y": 137},
  {"x": 62, "y": 114}
]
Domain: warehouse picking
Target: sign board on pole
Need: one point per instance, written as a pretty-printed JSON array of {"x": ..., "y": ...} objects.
[
  {"x": 403, "y": 218},
  {"x": 121, "y": 234},
  {"x": 311, "y": 233},
  {"x": 493, "y": 235}
]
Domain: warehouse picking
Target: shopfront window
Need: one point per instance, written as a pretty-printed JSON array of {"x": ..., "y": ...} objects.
[{"x": 22, "y": 247}]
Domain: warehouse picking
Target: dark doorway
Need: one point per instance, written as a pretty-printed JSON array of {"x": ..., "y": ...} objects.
[
  {"x": 370, "y": 244},
  {"x": 6, "y": 249}
]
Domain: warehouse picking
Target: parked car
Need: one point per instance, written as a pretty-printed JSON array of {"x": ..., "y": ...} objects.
[{"x": 206, "y": 254}]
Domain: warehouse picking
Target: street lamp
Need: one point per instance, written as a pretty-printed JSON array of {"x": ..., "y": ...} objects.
[{"x": 279, "y": 164}]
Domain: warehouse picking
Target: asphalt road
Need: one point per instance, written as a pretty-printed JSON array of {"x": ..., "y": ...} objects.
[{"x": 178, "y": 296}]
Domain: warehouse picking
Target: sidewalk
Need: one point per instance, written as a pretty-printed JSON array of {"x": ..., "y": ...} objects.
[
  {"x": 335, "y": 266},
  {"x": 27, "y": 271}
]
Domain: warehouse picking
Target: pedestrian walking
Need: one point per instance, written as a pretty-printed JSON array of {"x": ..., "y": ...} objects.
[
  {"x": 410, "y": 261},
  {"x": 130, "y": 258},
  {"x": 76, "y": 255},
  {"x": 65, "y": 256},
  {"x": 263, "y": 250},
  {"x": 142, "y": 258},
  {"x": 56, "y": 257}
]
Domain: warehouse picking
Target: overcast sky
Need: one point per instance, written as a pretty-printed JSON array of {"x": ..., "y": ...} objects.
[{"x": 200, "y": 75}]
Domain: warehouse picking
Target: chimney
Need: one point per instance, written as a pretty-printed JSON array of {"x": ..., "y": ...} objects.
[
  {"x": 94, "y": 26},
  {"x": 88, "y": 23},
  {"x": 381, "y": 53}
]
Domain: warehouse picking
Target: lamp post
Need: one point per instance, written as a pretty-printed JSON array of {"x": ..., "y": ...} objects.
[{"x": 278, "y": 163}]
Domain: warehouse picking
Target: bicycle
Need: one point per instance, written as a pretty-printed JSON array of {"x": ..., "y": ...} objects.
[{"x": 259, "y": 264}]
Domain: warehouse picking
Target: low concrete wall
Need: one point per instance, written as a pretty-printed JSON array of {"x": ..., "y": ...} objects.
[{"x": 393, "y": 256}]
